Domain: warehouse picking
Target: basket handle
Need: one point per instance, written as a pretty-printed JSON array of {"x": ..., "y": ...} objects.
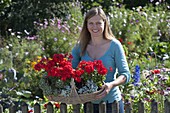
[{"x": 74, "y": 93}]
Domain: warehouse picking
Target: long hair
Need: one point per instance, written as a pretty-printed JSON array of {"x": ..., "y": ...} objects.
[{"x": 85, "y": 36}]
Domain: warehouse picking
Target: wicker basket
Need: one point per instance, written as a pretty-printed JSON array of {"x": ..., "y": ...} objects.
[{"x": 76, "y": 98}]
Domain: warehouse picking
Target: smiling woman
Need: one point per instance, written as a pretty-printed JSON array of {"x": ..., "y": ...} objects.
[
  {"x": 96, "y": 42},
  {"x": 96, "y": 26}
]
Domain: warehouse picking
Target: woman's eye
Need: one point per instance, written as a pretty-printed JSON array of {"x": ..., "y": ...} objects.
[{"x": 99, "y": 23}]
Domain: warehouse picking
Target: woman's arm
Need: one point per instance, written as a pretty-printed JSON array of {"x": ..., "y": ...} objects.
[{"x": 121, "y": 66}]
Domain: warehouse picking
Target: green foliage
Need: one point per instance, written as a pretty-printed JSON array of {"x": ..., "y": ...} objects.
[
  {"x": 20, "y": 51},
  {"x": 140, "y": 27},
  {"x": 106, "y": 4},
  {"x": 146, "y": 45},
  {"x": 4, "y": 4},
  {"x": 20, "y": 15},
  {"x": 14, "y": 56},
  {"x": 16, "y": 50},
  {"x": 58, "y": 35}
]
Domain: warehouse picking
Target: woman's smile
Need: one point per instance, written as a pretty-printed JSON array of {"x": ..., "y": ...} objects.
[{"x": 95, "y": 31}]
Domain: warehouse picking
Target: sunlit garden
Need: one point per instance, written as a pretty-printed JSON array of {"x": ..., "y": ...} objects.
[{"x": 30, "y": 30}]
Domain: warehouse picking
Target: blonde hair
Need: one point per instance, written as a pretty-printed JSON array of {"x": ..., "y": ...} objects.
[{"x": 85, "y": 36}]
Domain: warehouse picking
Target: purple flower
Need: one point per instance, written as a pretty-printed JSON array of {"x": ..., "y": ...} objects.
[
  {"x": 158, "y": 75},
  {"x": 137, "y": 21},
  {"x": 144, "y": 84},
  {"x": 59, "y": 24},
  {"x": 31, "y": 37},
  {"x": 168, "y": 88},
  {"x": 146, "y": 99},
  {"x": 151, "y": 78},
  {"x": 151, "y": 0},
  {"x": 55, "y": 39},
  {"x": 132, "y": 97}
]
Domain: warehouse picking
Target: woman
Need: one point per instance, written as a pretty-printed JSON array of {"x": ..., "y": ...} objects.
[{"x": 96, "y": 42}]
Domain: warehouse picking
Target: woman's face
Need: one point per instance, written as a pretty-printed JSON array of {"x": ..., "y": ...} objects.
[{"x": 95, "y": 26}]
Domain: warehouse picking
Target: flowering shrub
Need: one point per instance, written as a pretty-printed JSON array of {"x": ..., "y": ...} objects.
[
  {"x": 58, "y": 72},
  {"x": 157, "y": 84},
  {"x": 58, "y": 35},
  {"x": 148, "y": 85}
]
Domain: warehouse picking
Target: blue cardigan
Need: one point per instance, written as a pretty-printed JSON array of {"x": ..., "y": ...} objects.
[{"x": 115, "y": 58}]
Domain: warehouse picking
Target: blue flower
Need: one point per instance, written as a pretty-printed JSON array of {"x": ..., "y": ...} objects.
[{"x": 136, "y": 77}]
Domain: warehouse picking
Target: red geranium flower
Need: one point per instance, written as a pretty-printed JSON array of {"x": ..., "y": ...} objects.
[
  {"x": 156, "y": 71},
  {"x": 45, "y": 106},
  {"x": 30, "y": 111},
  {"x": 57, "y": 105}
]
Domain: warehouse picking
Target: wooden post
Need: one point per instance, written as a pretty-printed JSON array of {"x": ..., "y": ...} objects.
[
  {"x": 167, "y": 106},
  {"x": 37, "y": 108},
  {"x": 76, "y": 108},
  {"x": 154, "y": 107},
  {"x": 128, "y": 107},
  {"x": 50, "y": 108},
  {"x": 115, "y": 107},
  {"x": 63, "y": 108},
  {"x": 12, "y": 109},
  {"x": 102, "y": 107},
  {"x": 89, "y": 107},
  {"x": 24, "y": 107},
  {"x": 1, "y": 109},
  {"x": 141, "y": 108}
]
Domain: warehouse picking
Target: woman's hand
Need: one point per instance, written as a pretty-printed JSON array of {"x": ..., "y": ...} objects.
[
  {"x": 108, "y": 86},
  {"x": 106, "y": 89}
]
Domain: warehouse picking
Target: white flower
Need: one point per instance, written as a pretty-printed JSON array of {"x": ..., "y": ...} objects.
[
  {"x": 10, "y": 45},
  {"x": 26, "y": 53},
  {"x": 18, "y": 36},
  {"x": 7, "y": 47},
  {"x": 26, "y": 32},
  {"x": 9, "y": 29},
  {"x": 12, "y": 34},
  {"x": 16, "y": 54},
  {"x": 124, "y": 20},
  {"x": 64, "y": 38},
  {"x": 157, "y": 3}
]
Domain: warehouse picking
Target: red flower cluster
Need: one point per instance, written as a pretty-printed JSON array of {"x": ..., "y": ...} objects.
[
  {"x": 90, "y": 66},
  {"x": 30, "y": 111},
  {"x": 90, "y": 70},
  {"x": 155, "y": 71},
  {"x": 60, "y": 66},
  {"x": 56, "y": 104}
]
